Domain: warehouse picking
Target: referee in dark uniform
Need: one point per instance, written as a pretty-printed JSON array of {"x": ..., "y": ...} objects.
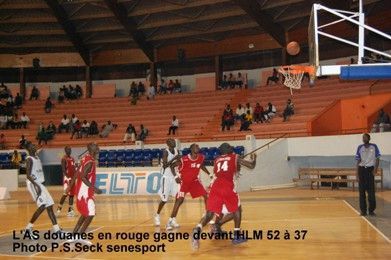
[{"x": 367, "y": 157}]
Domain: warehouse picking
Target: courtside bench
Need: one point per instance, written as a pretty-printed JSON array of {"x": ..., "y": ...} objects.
[{"x": 334, "y": 175}]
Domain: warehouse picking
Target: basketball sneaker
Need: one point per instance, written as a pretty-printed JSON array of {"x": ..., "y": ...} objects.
[
  {"x": 172, "y": 224},
  {"x": 58, "y": 212},
  {"x": 29, "y": 233},
  {"x": 195, "y": 243},
  {"x": 156, "y": 219},
  {"x": 238, "y": 240},
  {"x": 71, "y": 213}
]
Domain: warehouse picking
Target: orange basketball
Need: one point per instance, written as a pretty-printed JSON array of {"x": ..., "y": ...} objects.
[{"x": 293, "y": 48}]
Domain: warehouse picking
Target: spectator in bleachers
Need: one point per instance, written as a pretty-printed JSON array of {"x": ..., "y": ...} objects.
[
  {"x": 240, "y": 112},
  {"x": 18, "y": 101},
  {"x": 231, "y": 81},
  {"x": 163, "y": 87},
  {"x": 64, "y": 125},
  {"x": 24, "y": 120},
  {"x": 66, "y": 92},
  {"x": 177, "y": 86},
  {"x": 133, "y": 90},
  {"x": 23, "y": 142},
  {"x": 61, "y": 96},
  {"x": 130, "y": 133},
  {"x": 174, "y": 126},
  {"x": 16, "y": 159},
  {"x": 72, "y": 93},
  {"x": 79, "y": 91},
  {"x": 48, "y": 105},
  {"x": 2, "y": 142},
  {"x": 143, "y": 133},
  {"x": 17, "y": 123},
  {"x": 240, "y": 80},
  {"x": 270, "y": 112},
  {"x": 74, "y": 119},
  {"x": 246, "y": 122},
  {"x": 10, "y": 122},
  {"x": 258, "y": 113},
  {"x": 85, "y": 128},
  {"x": 51, "y": 130},
  {"x": 227, "y": 119},
  {"x": 34, "y": 93},
  {"x": 289, "y": 110},
  {"x": 94, "y": 128},
  {"x": 3, "y": 121},
  {"x": 141, "y": 89},
  {"x": 76, "y": 129},
  {"x": 170, "y": 87},
  {"x": 4, "y": 93},
  {"x": 224, "y": 82},
  {"x": 382, "y": 123},
  {"x": 248, "y": 108},
  {"x": 106, "y": 129},
  {"x": 41, "y": 134},
  {"x": 151, "y": 92},
  {"x": 10, "y": 101},
  {"x": 273, "y": 78}
]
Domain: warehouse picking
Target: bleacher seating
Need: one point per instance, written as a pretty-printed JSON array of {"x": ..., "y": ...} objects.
[
  {"x": 199, "y": 113},
  {"x": 145, "y": 157}
]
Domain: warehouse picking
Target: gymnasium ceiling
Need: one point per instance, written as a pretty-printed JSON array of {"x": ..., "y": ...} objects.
[{"x": 92, "y": 26}]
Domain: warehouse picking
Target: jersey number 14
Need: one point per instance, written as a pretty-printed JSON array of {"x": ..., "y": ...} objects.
[{"x": 222, "y": 166}]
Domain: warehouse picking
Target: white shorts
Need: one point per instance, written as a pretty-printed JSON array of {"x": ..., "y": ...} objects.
[
  {"x": 44, "y": 199},
  {"x": 168, "y": 187}
]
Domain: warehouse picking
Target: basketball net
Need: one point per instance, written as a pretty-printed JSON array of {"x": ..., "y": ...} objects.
[{"x": 293, "y": 75}]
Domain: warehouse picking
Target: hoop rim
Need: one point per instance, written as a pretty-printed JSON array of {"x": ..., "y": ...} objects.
[{"x": 298, "y": 69}]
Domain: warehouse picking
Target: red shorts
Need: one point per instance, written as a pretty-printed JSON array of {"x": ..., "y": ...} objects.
[
  {"x": 219, "y": 197},
  {"x": 86, "y": 207},
  {"x": 66, "y": 182},
  {"x": 195, "y": 188}
]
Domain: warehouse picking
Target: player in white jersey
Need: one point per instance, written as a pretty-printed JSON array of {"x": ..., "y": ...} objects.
[
  {"x": 39, "y": 193},
  {"x": 170, "y": 179}
]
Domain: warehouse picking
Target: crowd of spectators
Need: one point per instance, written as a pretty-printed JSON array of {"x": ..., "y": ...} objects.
[
  {"x": 247, "y": 115},
  {"x": 132, "y": 135},
  {"x": 69, "y": 93},
  {"x": 231, "y": 82}
]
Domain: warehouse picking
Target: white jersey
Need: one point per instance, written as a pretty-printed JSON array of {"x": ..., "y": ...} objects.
[
  {"x": 169, "y": 158},
  {"x": 36, "y": 169}
]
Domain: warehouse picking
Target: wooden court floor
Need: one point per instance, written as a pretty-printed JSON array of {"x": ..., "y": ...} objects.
[{"x": 334, "y": 228}]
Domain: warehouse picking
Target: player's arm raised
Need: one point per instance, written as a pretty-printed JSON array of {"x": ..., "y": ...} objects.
[
  {"x": 84, "y": 179},
  {"x": 249, "y": 164},
  {"x": 29, "y": 164}
]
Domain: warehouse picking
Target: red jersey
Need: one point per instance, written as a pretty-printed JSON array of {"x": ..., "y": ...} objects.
[
  {"x": 69, "y": 166},
  {"x": 225, "y": 168},
  {"x": 82, "y": 190},
  {"x": 190, "y": 169}
]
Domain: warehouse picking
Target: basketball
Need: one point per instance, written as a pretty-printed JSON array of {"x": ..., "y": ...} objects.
[{"x": 293, "y": 48}]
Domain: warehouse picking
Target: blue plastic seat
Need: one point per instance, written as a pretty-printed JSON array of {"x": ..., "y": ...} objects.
[{"x": 239, "y": 150}]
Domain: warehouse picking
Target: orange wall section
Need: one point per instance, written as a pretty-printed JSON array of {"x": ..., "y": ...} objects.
[{"x": 348, "y": 115}]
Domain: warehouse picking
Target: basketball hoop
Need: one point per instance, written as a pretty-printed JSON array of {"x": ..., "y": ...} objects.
[{"x": 293, "y": 75}]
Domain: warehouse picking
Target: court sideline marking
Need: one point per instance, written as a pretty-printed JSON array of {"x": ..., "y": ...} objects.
[{"x": 364, "y": 218}]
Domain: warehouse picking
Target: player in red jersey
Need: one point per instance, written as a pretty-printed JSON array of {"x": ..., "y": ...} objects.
[
  {"x": 68, "y": 170},
  {"x": 189, "y": 169},
  {"x": 85, "y": 189},
  {"x": 222, "y": 192}
]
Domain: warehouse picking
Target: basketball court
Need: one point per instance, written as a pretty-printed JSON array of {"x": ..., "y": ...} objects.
[{"x": 334, "y": 227}]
